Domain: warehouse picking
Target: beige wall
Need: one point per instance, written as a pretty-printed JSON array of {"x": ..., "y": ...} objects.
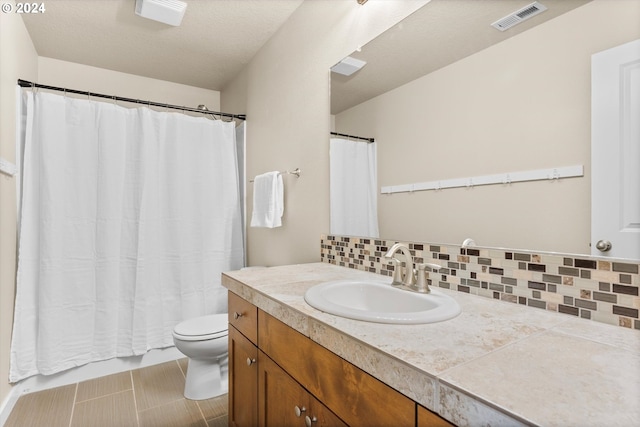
[
  {"x": 18, "y": 59},
  {"x": 285, "y": 93},
  {"x": 523, "y": 104}
]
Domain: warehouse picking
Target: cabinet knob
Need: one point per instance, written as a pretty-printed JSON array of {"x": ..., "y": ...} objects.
[
  {"x": 308, "y": 421},
  {"x": 250, "y": 361},
  {"x": 299, "y": 410},
  {"x": 237, "y": 315}
]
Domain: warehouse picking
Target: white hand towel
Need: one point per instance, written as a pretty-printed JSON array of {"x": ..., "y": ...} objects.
[{"x": 268, "y": 200}]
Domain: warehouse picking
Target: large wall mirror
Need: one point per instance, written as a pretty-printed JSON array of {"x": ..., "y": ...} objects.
[{"x": 448, "y": 96}]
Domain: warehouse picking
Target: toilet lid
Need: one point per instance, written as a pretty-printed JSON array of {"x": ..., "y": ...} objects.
[{"x": 213, "y": 324}]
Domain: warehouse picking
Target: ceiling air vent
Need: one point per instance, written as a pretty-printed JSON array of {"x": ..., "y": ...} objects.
[{"x": 518, "y": 16}]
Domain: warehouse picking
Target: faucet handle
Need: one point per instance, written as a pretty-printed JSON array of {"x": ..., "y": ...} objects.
[
  {"x": 397, "y": 271},
  {"x": 422, "y": 285}
]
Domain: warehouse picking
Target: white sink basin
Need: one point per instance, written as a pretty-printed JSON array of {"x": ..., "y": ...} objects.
[{"x": 378, "y": 301}]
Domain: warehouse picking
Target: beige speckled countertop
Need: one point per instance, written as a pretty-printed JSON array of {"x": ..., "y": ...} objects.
[{"x": 497, "y": 363}]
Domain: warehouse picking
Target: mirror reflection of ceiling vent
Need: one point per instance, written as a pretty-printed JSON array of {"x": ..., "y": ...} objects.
[
  {"x": 518, "y": 16},
  {"x": 348, "y": 66}
]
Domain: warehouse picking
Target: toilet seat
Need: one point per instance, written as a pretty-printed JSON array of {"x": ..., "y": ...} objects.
[{"x": 202, "y": 328}]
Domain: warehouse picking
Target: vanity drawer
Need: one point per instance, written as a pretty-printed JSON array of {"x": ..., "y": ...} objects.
[{"x": 244, "y": 317}]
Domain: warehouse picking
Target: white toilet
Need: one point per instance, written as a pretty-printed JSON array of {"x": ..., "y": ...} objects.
[{"x": 204, "y": 340}]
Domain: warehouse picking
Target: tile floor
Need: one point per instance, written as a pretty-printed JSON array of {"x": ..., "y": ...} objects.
[{"x": 144, "y": 397}]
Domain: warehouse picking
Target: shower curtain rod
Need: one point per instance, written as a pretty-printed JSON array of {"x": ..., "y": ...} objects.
[
  {"x": 25, "y": 83},
  {"x": 369, "y": 140}
]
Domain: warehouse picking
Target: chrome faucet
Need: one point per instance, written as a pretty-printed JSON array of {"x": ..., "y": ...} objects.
[{"x": 408, "y": 278}]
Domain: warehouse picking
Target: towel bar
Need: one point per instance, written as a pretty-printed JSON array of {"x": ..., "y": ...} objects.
[{"x": 295, "y": 172}]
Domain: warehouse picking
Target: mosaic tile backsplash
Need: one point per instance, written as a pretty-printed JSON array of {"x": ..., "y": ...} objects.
[{"x": 592, "y": 288}]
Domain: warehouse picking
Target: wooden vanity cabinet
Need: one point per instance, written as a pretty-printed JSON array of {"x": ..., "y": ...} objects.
[{"x": 279, "y": 377}]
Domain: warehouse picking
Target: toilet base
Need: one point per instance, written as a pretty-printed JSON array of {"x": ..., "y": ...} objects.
[{"x": 206, "y": 380}]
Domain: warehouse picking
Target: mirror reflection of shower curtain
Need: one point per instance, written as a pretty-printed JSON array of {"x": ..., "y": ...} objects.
[
  {"x": 128, "y": 218},
  {"x": 353, "y": 188}
]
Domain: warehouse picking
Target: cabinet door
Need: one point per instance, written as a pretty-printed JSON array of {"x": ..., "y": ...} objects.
[
  {"x": 427, "y": 418},
  {"x": 285, "y": 403},
  {"x": 243, "y": 380},
  {"x": 282, "y": 402}
]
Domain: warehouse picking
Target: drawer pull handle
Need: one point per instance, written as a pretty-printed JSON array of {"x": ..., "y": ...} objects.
[
  {"x": 237, "y": 315},
  {"x": 299, "y": 410},
  {"x": 308, "y": 420},
  {"x": 250, "y": 361}
]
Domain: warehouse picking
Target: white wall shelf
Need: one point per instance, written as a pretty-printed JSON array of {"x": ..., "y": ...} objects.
[{"x": 503, "y": 178}]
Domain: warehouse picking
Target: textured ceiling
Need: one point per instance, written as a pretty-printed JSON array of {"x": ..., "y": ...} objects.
[
  {"x": 216, "y": 40},
  {"x": 436, "y": 35}
]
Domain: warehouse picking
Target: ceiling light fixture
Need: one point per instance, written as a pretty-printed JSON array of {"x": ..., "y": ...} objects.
[
  {"x": 166, "y": 11},
  {"x": 361, "y": 1}
]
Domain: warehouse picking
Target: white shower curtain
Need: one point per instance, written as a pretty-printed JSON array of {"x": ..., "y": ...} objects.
[
  {"x": 128, "y": 218},
  {"x": 353, "y": 188}
]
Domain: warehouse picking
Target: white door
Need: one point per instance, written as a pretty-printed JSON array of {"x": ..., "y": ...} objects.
[{"x": 615, "y": 152}]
